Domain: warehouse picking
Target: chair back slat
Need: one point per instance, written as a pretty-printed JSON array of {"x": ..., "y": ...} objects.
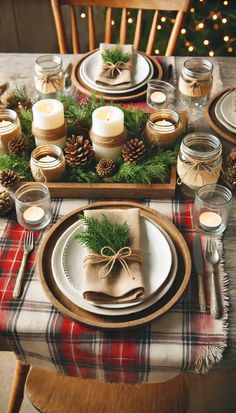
[
  {"x": 152, "y": 34},
  {"x": 179, "y": 6},
  {"x": 91, "y": 28},
  {"x": 138, "y": 29},
  {"x": 123, "y": 26},
  {"x": 74, "y": 31},
  {"x": 108, "y": 25}
]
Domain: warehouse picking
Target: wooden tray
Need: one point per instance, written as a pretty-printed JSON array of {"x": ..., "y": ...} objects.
[
  {"x": 135, "y": 95},
  {"x": 214, "y": 122},
  {"x": 65, "y": 306},
  {"x": 109, "y": 190}
]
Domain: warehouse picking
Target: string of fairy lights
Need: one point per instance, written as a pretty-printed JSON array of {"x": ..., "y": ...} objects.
[{"x": 215, "y": 20}]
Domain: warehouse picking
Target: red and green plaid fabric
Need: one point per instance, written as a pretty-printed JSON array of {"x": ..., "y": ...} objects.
[{"x": 183, "y": 339}]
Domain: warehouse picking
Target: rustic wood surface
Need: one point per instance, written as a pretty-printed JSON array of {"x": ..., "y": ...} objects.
[{"x": 19, "y": 69}]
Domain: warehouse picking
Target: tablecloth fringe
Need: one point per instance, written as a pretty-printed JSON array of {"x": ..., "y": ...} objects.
[{"x": 213, "y": 353}]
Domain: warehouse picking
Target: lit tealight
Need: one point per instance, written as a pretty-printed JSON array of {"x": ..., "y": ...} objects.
[
  {"x": 158, "y": 97},
  {"x": 210, "y": 221},
  {"x": 47, "y": 158},
  {"x": 4, "y": 123},
  {"x": 33, "y": 215}
]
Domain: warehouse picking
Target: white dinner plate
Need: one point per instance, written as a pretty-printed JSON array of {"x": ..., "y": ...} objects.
[
  {"x": 69, "y": 281},
  {"x": 220, "y": 117},
  {"x": 143, "y": 71},
  {"x": 228, "y": 108}
]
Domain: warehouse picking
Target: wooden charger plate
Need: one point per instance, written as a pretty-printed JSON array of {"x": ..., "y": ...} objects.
[
  {"x": 66, "y": 307},
  {"x": 214, "y": 122},
  {"x": 136, "y": 94}
]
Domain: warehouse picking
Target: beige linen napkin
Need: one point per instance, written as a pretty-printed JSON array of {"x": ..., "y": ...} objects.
[
  {"x": 122, "y": 80},
  {"x": 120, "y": 288}
]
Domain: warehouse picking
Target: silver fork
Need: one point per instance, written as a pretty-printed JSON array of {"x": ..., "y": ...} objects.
[
  {"x": 213, "y": 257},
  {"x": 28, "y": 247}
]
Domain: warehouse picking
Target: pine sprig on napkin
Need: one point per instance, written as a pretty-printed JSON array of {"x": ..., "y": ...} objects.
[
  {"x": 115, "y": 55},
  {"x": 104, "y": 233}
]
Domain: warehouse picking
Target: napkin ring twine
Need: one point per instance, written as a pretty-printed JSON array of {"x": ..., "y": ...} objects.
[
  {"x": 112, "y": 70},
  {"x": 123, "y": 255}
]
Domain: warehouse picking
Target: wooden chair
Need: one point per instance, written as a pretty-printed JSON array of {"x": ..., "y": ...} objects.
[{"x": 180, "y": 6}]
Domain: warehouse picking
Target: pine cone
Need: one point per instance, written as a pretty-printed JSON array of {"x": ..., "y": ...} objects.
[
  {"x": 8, "y": 178},
  {"x": 79, "y": 152},
  {"x": 6, "y": 203},
  {"x": 8, "y": 100},
  {"x": 134, "y": 151},
  {"x": 229, "y": 172},
  {"x": 17, "y": 145},
  {"x": 3, "y": 87},
  {"x": 105, "y": 167}
]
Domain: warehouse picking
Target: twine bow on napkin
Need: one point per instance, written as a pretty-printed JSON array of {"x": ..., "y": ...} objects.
[
  {"x": 122, "y": 256},
  {"x": 112, "y": 70}
]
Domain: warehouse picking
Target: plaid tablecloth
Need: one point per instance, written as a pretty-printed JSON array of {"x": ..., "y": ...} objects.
[{"x": 183, "y": 339}]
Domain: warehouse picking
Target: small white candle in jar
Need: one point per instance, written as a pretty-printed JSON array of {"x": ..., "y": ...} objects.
[
  {"x": 210, "y": 220},
  {"x": 47, "y": 159},
  {"x": 33, "y": 215},
  {"x": 163, "y": 122},
  {"x": 108, "y": 121},
  {"x": 10, "y": 128},
  {"x": 48, "y": 114},
  {"x": 158, "y": 97}
]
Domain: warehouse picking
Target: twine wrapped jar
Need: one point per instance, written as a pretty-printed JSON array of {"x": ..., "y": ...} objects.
[
  {"x": 49, "y": 76},
  {"x": 47, "y": 163},
  {"x": 163, "y": 127},
  {"x": 199, "y": 161},
  {"x": 10, "y": 128},
  {"x": 195, "y": 81}
]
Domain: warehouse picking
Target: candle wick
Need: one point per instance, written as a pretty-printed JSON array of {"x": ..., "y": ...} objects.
[{"x": 108, "y": 117}]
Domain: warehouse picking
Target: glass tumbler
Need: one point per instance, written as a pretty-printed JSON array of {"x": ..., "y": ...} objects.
[
  {"x": 33, "y": 205},
  {"x": 160, "y": 94},
  {"x": 211, "y": 209}
]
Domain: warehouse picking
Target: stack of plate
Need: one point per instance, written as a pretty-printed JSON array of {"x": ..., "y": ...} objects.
[
  {"x": 85, "y": 72},
  {"x": 159, "y": 269},
  {"x": 225, "y": 110}
]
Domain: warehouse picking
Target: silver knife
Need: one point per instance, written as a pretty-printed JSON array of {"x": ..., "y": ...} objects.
[{"x": 198, "y": 265}]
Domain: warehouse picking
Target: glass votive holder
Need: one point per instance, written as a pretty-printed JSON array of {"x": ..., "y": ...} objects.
[
  {"x": 10, "y": 128},
  {"x": 160, "y": 94},
  {"x": 211, "y": 209},
  {"x": 163, "y": 127},
  {"x": 33, "y": 205}
]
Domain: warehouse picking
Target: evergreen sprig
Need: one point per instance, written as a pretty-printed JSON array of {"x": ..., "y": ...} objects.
[
  {"x": 79, "y": 175},
  {"x": 18, "y": 164},
  {"x": 154, "y": 169},
  {"x": 115, "y": 55},
  {"x": 99, "y": 233},
  {"x": 135, "y": 121}
]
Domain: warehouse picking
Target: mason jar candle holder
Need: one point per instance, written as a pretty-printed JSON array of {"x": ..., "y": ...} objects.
[
  {"x": 199, "y": 162},
  {"x": 10, "y": 128},
  {"x": 163, "y": 127},
  {"x": 211, "y": 209},
  {"x": 33, "y": 205},
  {"x": 160, "y": 94},
  {"x": 49, "y": 125},
  {"x": 195, "y": 81},
  {"x": 49, "y": 76},
  {"x": 47, "y": 163},
  {"x": 108, "y": 133}
]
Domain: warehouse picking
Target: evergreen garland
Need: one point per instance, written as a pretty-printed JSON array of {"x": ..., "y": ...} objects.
[{"x": 18, "y": 164}]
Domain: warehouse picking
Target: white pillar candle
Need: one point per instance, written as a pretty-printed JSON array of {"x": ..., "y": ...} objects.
[
  {"x": 48, "y": 114},
  {"x": 108, "y": 121},
  {"x": 210, "y": 220}
]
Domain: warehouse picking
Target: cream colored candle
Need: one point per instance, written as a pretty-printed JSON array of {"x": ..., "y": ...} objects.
[
  {"x": 48, "y": 114},
  {"x": 108, "y": 132},
  {"x": 10, "y": 128},
  {"x": 108, "y": 121},
  {"x": 210, "y": 220}
]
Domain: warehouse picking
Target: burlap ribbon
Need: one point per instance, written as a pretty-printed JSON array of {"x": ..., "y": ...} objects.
[
  {"x": 50, "y": 134},
  {"x": 122, "y": 256},
  {"x": 112, "y": 70},
  {"x": 108, "y": 142},
  {"x": 46, "y": 81},
  {"x": 198, "y": 165}
]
